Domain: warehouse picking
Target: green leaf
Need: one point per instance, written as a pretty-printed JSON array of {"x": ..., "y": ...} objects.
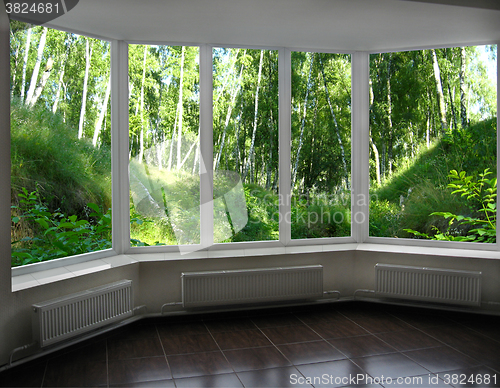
[
  {"x": 68, "y": 225},
  {"x": 42, "y": 222},
  {"x": 94, "y": 207},
  {"x": 23, "y": 255}
]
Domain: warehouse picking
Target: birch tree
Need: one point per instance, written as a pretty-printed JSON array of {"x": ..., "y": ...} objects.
[
  {"x": 62, "y": 69},
  {"x": 234, "y": 93},
  {"x": 255, "y": 120},
  {"x": 463, "y": 100},
  {"x": 180, "y": 108},
  {"x": 141, "y": 135},
  {"x": 439, "y": 89},
  {"x": 376, "y": 154},
  {"x": 16, "y": 57},
  {"x": 88, "y": 55},
  {"x": 336, "y": 127},
  {"x": 303, "y": 122},
  {"x": 43, "y": 81},
  {"x": 25, "y": 63},
  {"x": 36, "y": 69},
  {"x": 389, "y": 115},
  {"x": 104, "y": 109}
]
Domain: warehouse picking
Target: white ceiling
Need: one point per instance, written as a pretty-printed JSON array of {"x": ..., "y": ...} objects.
[{"x": 345, "y": 25}]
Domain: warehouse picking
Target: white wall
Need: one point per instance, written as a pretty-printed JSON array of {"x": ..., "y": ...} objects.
[
  {"x": 156, "y": 283},
  {"x": 15, "y": 310}
]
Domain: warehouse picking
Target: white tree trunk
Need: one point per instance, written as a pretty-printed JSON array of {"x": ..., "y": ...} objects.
[
  {"x": 59, "y": 88},
  {"x": 62, "y": 68},
  {"x": 255, "y": 119},
  {"x": 36, "y": 69},
  {"x": 16, "y": 56},
  {"x": 88, "y": 55},
  {"x": 43, "y": 81},
  {"x": 196, "y": 155},
  {"x": 389, "y": 114},
  {"x": 463, "y": 105},
  {"x": 376, "y": 154},
  {"x": 104, "y": 109},
  {"x": 439, "y": 87},
  {"x": 336, "y": 126},
  {"x": 302, "y": 124},
  {"x": 236, "y": 89},
  {"x": 141, "y": 137},
  {"x": 180, "y": 108},
  {"x": 25, "y": 64}
]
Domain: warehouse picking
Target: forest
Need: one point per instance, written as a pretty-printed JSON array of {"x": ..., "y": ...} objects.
[{"x": 432, "y": 144}]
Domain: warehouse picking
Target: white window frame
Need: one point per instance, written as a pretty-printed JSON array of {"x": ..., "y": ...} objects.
[
  {"x": 359, "y": 169},
  {"x": 469, "y": 246}
]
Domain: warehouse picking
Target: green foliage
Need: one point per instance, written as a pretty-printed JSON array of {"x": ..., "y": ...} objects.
[
  {"x": 263, "y": 215},
  {"x": 47, "y": 157},
  {"x": 321, "y": 135},
  {"x": 481, "y": 225},
  {"x": 318, "y": 215},
  {"x": 64, "y": 88},
  {"x": 405, "y": 109},
  {"x": 54, "y": 235},
  {"x": 420, "y": 186},
  {"x": 384, "y": 219},
  {"x": 145, "y": 231},
  {"x": 71, "y": 174},
  {"x": 57, "y": 235},
  {"x": 471, "y": 148}
]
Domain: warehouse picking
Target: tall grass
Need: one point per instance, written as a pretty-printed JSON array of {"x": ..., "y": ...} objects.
[
  {"x": 420, "y": 186},
  {"x": 69, "y": 173},
  {"x": 47, "y": 156}
]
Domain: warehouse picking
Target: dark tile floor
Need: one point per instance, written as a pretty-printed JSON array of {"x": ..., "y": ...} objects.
[{"x": 334, "y": 345}]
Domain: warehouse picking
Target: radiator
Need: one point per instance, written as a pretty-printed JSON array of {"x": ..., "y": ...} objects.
[
  {"x": 72, "y": 315},
  {"x": 214, "y": 288},
  {"x": 428, "y": 284}
]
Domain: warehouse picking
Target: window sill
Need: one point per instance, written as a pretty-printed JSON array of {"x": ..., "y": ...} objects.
[
  {"x": 25, "y": 281},
  {"x": 22, "y": 281},
  {"x": 40, "y": 276},
  {"x": 429, "y": 251}
]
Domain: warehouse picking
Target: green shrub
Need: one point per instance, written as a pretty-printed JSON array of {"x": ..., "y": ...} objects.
[
  {"x": 56, "y": 235},
  {"x": 384, "y": 218},
  {"x": 47, "y": 157},
  {"x": 479, "y": 227}
]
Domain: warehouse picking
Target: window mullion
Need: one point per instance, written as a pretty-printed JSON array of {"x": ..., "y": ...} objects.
[
  {"x": 120, "y": 196},
  {"x": 285, "y": 129},
  {"x": 206, "y": 148},
  {"x": 360, "y": 120}
]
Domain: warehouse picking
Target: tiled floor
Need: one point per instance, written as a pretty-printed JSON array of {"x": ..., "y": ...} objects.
[{"x": 340, "y": 344}]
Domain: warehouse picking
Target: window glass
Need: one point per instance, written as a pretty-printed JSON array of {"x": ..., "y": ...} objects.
[
  {"x": 245, "y": 136},
  {"x": 164, "y": 145},
  {"x": 433, "y": 144},
  {"x": 321, "y": 145},
  {"x": 60, "y": 144}
]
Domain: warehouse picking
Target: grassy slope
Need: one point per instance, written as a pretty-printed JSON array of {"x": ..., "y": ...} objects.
[
  {"x": 422, "y": 185},
  {"x": 47, "y": 156}
]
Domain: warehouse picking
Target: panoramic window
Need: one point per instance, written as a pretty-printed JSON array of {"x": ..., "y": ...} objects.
[
  {"x": 433, "y": 136},
  {"x": 164, "y": 144},
  {"x": 60, "y": 144},
  {"x": 432, "y": 144},
  {"x": 245, "y": 145},
  {"x": 321, "y": 145}
]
